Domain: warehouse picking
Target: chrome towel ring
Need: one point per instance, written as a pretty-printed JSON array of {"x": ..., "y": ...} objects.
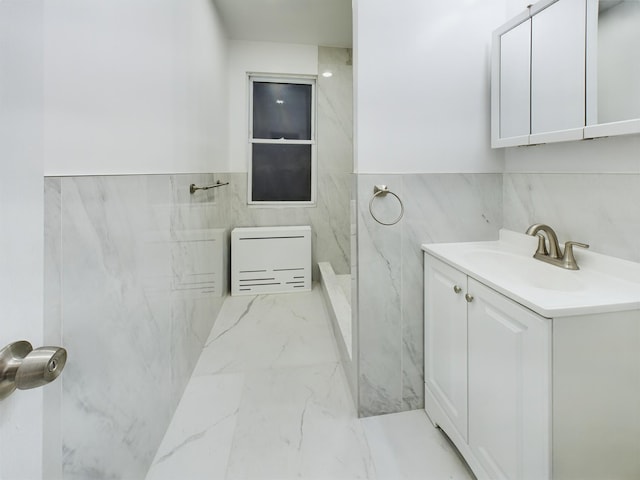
[{"x": 382, "y": 190}]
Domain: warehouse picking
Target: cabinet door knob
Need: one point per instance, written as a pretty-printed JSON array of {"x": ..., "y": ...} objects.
[
  {"x": 468, "y": 297},
  {"x": 457, "y": 288}
]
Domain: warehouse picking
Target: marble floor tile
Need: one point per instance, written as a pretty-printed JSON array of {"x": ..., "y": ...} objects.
[
  {"x": 269, "y": 400},
  {"x": 268, "y": 331},
  {"x": 406, "y": 446},
  {"x": 299, "y": 423},
  {"x": 198, "y": 441}
]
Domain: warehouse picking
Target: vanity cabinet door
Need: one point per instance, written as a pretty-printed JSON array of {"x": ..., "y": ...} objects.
[
  {"x": 445, "y": 333},
  {"x": 509, "y": 386},
  {"x": 558, "y": 71}
]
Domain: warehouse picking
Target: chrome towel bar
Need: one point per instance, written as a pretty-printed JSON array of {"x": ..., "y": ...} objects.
[{"x": 193, "y": 188}]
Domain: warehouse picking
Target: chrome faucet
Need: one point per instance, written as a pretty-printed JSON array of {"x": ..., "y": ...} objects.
[{"x": 553, "y": 255}]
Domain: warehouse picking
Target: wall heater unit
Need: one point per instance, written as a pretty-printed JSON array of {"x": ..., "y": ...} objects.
[{"x": 270, "y": 260}]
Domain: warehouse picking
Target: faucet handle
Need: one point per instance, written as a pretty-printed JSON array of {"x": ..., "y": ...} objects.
[
  {"x": 542, "y": 245},
  {"x": 567, "y": 258}
]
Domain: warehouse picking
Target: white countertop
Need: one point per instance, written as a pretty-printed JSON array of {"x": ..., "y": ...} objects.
[{"x": 603, "y": 283}]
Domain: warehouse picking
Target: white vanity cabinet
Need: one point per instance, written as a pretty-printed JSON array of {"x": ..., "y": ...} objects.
[
  {"x": 445, "y": 372},
  {"x": 509, "y": 386},
  {"x": 521, "y": 395},
  {"x": 487, "y": 375}
]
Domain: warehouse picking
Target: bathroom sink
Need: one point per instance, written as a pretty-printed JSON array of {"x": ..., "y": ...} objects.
[
  {"x": 603, "y": 283},
  {"x": 525, "y": 269}
]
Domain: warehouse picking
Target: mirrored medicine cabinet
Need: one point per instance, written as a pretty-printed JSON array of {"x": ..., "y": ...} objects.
[{"x": 566, "y": 70}]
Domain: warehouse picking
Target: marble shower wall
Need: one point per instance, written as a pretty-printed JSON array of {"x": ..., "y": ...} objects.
[
  {"x": 600, "y": 209},
  {"x": 438, "y": 208},
  {"x": 129, "y": 292},
  {"x": 335, "y": 156}
]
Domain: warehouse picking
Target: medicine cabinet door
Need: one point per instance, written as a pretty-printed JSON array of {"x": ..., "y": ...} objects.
[{"x": 558, "y": 71}]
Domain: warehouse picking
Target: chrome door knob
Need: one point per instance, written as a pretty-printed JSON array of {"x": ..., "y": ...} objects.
[
  {"x": 457, "y": 288},
  {"x": 23, "y": 367},
  {"x": 468, "y": 297}
]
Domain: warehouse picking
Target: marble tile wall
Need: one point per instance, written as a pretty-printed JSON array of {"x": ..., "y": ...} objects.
[
  {"x": 438, "y": 208},
  {"x": 600, "y": 209},
  {"x": 335, "y": 155},
  {"x": 52, "y": 328},
  {"x": 114, "y": 260},
  {"x": 119, "y": 254},
  {"x": 335, "y": 178},
  {"x": 350, "y": 365},
  {"x": 596, "y": 208}
]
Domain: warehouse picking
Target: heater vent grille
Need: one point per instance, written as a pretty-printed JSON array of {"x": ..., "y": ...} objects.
[{"x": 270, "y": 260}]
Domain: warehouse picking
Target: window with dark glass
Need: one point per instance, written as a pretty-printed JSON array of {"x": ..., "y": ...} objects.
[{"x": 282, "y": 163}]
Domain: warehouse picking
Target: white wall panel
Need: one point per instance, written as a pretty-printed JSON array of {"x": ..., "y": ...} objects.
[
  {"x": 134, "y": 87},
  {"x": 514, "y": 7},
  {"x": 422, "y": 91},
  {"x": 21, "y": 225}
]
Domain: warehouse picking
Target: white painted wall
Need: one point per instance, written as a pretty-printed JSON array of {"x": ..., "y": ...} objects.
[
  {"x": 258, "y": 57},
  {"x": 515, "y": 7},
  {"x": 135, "y": 86},
  {"x": 422, "y": 87},
  {"x": 21, "y": 225}
]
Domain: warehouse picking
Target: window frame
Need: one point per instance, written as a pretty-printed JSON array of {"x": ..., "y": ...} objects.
[{"x": 290, "y": 79}]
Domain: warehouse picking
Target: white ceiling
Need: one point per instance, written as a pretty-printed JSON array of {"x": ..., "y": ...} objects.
[{"x": 312, "y": 22}]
